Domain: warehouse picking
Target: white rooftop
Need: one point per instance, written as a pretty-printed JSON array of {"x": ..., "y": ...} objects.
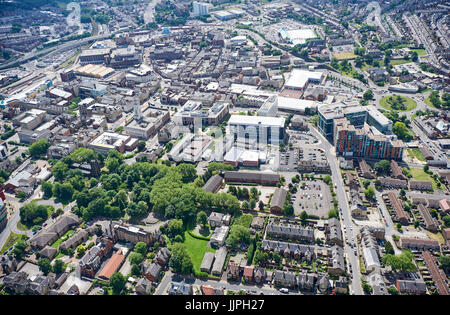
[
  {"x": 298, "y": 78},
  {"x": 256, "y": 120},
  {"x": 295, "y": 104}
]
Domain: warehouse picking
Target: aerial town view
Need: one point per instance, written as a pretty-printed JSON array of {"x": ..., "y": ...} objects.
[{"x": 224, "y": 147}]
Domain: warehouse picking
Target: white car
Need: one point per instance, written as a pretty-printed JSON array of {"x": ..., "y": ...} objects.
[{"x": 284, "y": 290}]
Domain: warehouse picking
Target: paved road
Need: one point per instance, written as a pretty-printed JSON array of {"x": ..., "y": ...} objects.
[{"x": 346, "y": 219}]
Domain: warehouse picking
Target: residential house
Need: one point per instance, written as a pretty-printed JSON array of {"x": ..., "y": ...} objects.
[
  {"x": 215, "y": 219},
  {"x": 180, "y": 289},
  {"x": 419, "y": 244},
  {"x": 306, "y": 281},
  {"x": 152, "y": 271},
  {"x": 143, "y": 286},
  {"x": 163, "y": 256},
  {"x": 248, "y": 273},
  {"x": 290, "y": 231},
  {"x": 210, "y": 290},
  {"x": 415, "y": 287},
  {"x": 260, "y": 275},
  {"x": 333, "y": 232},
  {"x": 421, "y": 185},
  {"x": 284, "y": 279},
  {"x": 233, "y": 270}
]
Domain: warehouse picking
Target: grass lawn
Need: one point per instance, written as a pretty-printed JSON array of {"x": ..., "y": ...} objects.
[
  {"x": 410, "y": 103},
  {"x": 420, "y": 51},
  {"x": 399, "y": 62},
  {"x": 428, "y": 102},
  {"x": 345, "y": 56},
  {"x": 419, "y": 174},
  {"x": 62, "y": 239},
  {"x": 22, "y": 227},
  {"x": 196, "y": 249},
  {"x": 436, "y": 236},
  {"x": 12, "y": 239},
  {"x": 416, "y": 153}
]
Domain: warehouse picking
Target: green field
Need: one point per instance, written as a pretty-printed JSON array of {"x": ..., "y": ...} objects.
[
  {"x": 419, "y": 51},
  {"x": 410, "y": 103},
  {"x": 345, "y": 56},
  {"x": 419, "y": 174},
  {"x": 416, "y": 153},
  {"x": 399, "y": 62},
  {"x": 196, "y": 248}
]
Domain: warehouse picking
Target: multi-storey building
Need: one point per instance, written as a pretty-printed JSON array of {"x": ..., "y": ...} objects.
[
  {"x": 264, "y": 130},
  {"x": 200, "y": 8},
  {"x": 364, "y": 142},
  {"x": 355, "y": 114}
]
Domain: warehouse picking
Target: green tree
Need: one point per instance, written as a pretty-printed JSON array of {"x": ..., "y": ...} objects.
[
  {"x": 389, "y": 248},
  {"x": 238, "y": 235},
  {"x": 175, "y": 227},
  {"x": 368, "y": 95},
  {"x": 60, "y": 170},
  {"x": 382, "y": 167},
  {"x": 47, "y": 188},
  {"x": 39, "y": 147},
  {"x": 19, "y": 249},
  {"x": 303, "y": 216},
  {"x": 180, "y": 261},
  {"x": 401, "y": 131},
  {"x": 136, "y": 258},
  {"x": 44, "y": 265},
  {"x": 202, "y": 218},
  {"x": 288, "y": 209},
  {"x": 403, "y": 263},
  {"x": 445, "y": 262},
  {"x": 140, "y": 248},
  {"x": 117, "y": 282},
  {"x": 369, "y": 192},
  {"x": 58, "y": 266}
]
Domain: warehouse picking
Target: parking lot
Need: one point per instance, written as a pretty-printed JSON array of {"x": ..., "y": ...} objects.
[
  {"x": 312, "y": 154},
  {"x": 300, "y": 138},
  {"x": 314, "y": 198}
]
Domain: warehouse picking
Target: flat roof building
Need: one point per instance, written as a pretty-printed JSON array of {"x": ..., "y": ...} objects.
[
  {"x": 299, "y": 79},
  {"x": 264, "y": 130}
]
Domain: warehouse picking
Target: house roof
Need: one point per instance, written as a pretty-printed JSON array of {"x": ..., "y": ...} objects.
[
  {"x": 48, "y": 252},
  {"x": 279, "y": 197},
  {"x": 207, "y": 261},
  {"x": 248, "y": 271},
  {"x": 212, "y": 183},
  {"x": 112, "y": 265}
]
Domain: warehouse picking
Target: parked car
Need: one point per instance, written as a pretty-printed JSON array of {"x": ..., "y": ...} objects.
[{"x": 284, "y": 290}]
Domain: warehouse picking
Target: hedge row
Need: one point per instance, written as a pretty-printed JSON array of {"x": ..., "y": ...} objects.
[{"x": 198, "y": 236}]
